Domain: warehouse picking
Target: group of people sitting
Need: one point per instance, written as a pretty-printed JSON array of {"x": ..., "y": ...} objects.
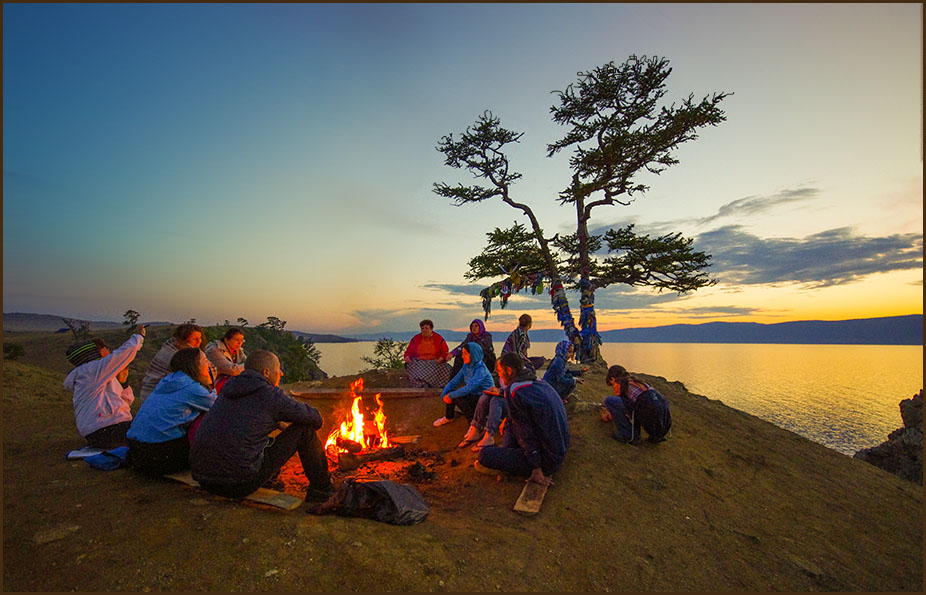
[
  {"x": 221, "y": 413},
  {"x": 218, "y": 412},
  {"x": 533, "y": 409}
]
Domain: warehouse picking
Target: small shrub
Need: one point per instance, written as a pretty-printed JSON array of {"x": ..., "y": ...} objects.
[
  {"x": 12, "y": 351},
  {"x": 387, "y": 355}
]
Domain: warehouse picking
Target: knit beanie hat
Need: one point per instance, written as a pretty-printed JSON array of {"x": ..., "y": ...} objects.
[{"x": 81, "y": 353}]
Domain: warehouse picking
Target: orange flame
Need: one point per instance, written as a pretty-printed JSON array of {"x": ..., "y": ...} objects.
[{"x": 353, "y": 428}]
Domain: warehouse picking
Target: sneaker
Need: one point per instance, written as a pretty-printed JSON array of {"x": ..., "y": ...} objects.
[
  {"x": 441, "y": 421},
  {"x": 485, "y": 470},
  {"x": 319, "y": 494},
  {"x": 471, "y": 435},
  {"x": 487, "y": 440}
]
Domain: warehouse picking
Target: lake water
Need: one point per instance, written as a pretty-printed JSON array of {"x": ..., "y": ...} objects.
[{"x": 843, "y": 396}]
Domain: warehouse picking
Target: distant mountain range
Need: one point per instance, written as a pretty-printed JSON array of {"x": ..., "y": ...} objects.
[
  {"x": 41, "y": 323},
  {"x": 316, "y": 338},
  {"x": 23, "y": 322},
  {"x": 891, "y": 330}
]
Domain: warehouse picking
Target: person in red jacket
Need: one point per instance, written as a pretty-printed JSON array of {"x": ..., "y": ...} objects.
[{"x": 426, "y": 358}]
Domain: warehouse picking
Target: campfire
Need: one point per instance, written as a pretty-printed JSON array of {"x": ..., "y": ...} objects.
[{"x": 358, "y": 439}]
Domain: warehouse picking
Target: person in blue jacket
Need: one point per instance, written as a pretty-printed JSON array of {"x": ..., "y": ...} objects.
[
  {"x": 635, "y": 406},
  {"x": 536, "y": 434},
  {"x": 157, "y": 438},
  {"x": 464, "y": 389},
  {"x": 558, "y": 375}
]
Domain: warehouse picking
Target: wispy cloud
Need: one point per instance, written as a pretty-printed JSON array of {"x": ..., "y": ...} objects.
[
  {"x": 750, "y": 206},
  {"x": 468, "y": 290},
  {"x": 832, "y": 257}
]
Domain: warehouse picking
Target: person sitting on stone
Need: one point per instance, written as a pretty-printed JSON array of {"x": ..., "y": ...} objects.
[
  {"x": 464, "y": 390},
  {"x": 558, "y": 374},
  {"x": 426, "y": 357},
  {"x": 478, "y": 334},
  {"x": 233, "y": 453},
  {"x": 102, "y": 400},
  {"x": 185, "y": 335},
  {"x": 635, "y": 405},
  {"x": 227, "y": 356},
  {"x": 536, "y": 434},
  {"x": 159, "y": 441},
  {"x": 519, "y": 342}
]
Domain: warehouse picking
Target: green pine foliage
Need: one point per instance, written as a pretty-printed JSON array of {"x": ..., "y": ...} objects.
[{"x": 387, "y": 355}]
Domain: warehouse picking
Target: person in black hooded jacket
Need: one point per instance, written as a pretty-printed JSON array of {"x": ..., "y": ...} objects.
[{"x": 233, "y": 453}]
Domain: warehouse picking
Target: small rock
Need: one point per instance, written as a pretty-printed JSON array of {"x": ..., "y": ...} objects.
[
  {"x": 357, "y": 544},
  {"x": 55, "y": 533},
  {"x": 271, "y": 572}
]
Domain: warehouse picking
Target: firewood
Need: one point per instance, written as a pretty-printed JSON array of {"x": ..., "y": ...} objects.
[
  {"x": 349, "y": 445},
  {"x": 348, "y": 461}
]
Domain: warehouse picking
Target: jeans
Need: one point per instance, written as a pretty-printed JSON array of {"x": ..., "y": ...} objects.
[
  {"x": 300, "y": 438},
  {"x": 622, "y": 424},
  {"x": 490, "y": 410}
]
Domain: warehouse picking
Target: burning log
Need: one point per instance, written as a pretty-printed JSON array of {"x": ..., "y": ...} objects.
[
  {"x": 349, "y": 445},
  {"x": 348, "y": 461}
]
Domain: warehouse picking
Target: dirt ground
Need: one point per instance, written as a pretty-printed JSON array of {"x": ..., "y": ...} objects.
[{"x": 729, "y": 502}]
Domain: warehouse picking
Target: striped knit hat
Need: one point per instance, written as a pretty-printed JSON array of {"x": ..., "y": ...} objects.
[{"x": 82, "y": 353}]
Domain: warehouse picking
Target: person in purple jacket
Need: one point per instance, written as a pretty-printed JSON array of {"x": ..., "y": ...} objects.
[{"x": 233, "y": 453}]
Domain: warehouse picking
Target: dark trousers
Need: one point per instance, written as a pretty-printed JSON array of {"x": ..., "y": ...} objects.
[
  {"x": 159, "y": 458},
  {"x": 297, "y": 438},
  {"x": 109, "y": 437},
  {"x": 466, "y": 404},
  {"x": 510, "y": 457},
  {"x": 651, "y": 413}
]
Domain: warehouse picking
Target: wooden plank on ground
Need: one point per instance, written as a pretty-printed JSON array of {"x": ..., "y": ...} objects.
[
  {"x": 385, "y": 393},
  {"x": 531, "y": 498},
  {"x": 262, "y": 495},
  {"x": 405, "y": 439}
]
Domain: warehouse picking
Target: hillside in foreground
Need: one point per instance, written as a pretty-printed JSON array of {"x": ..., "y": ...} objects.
[{"x": 729, "y": 502}]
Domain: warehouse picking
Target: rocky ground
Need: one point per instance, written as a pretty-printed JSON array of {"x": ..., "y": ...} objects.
[{"x": 729, "y": 502}]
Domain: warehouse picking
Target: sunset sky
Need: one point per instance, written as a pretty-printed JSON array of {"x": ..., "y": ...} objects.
[{"x": 213, "y": 161}]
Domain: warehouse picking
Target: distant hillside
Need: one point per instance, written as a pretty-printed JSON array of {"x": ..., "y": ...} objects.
[
  {"x": 892, "y": 330},
  {"x": 38, "y": 323},
  {"x": 316, "y": 338},
  {"x": 49, "y": 323}
]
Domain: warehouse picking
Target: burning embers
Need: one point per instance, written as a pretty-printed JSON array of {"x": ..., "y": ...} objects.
[{"x": 358, "y": 440}]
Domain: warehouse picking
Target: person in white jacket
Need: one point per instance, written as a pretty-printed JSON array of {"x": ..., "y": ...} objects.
[{"x": 101, "y": 403}]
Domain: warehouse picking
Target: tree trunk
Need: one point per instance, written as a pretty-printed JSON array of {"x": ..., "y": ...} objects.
[
  {"x": 563, "y": 314},
  {"x": 587, "y": 351}
]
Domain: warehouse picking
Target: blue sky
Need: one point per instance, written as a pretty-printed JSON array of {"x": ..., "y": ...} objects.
[{"x": 213, "y": 161}]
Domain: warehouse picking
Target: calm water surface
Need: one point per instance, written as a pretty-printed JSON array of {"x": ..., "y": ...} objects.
[{"x": 842, "y": 396}]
